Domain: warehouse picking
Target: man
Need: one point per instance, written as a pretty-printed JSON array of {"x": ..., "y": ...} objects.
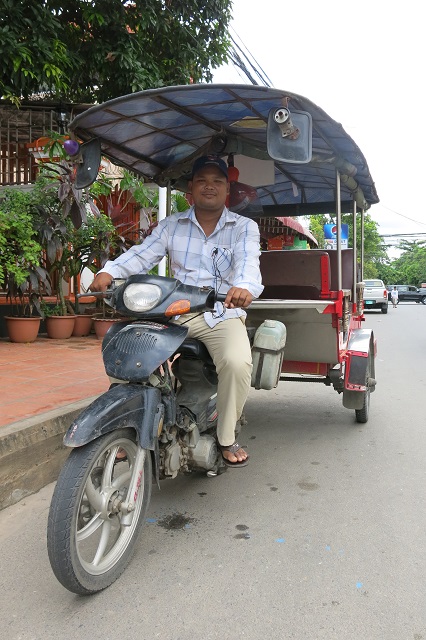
[
  {"x": 208, "y": 245},
  {"x": 394, "y": 297}
]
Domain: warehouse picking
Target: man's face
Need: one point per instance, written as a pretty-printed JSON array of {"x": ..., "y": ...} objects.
[{"x": 209, "y": 188}]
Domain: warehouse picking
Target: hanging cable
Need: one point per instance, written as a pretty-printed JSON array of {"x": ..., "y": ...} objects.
[
  {"x": 236, "y": 58},
  {"x": 256, "y": 71},
  {"x": 264, "y": 76},
  {"x": 237, "y": 62}
]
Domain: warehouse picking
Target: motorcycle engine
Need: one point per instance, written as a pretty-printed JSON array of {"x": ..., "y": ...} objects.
[
  {"x": 194, "y": 451},
  {"x": 204, "y": 453},
  {"x": 172, "y": 459}
]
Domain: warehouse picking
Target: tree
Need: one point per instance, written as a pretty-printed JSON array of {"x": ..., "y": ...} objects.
[
  {"x": 410, "y": 267},
  {"x": 94, "y": 50},
  {"x": 34, "y": 58}
]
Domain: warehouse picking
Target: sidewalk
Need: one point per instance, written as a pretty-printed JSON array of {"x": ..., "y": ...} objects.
[{"x": 44, "y": 385}]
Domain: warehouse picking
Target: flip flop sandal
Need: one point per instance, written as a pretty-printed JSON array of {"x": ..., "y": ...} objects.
[{"x": 233, "y": 448}]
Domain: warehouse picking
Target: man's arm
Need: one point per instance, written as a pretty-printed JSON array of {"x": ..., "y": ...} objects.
[
  {"x": 247, "y": 281},
  {"x": 138, "y": 259}
]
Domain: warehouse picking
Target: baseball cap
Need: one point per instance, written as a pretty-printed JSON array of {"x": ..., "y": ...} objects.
[{"x": 211, "y": 160}]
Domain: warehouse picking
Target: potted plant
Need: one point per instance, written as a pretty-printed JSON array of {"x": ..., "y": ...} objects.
[
  {"x": 73, "y": 232},
  {"x": 63, "y": 211},
  {"x": 91, "y": 246},
  {"x": 21, "y": 274},
  {"x": 103, "y": 320},
  {"x": 58, "y": 326},
  {"x": 54, "y": 236}
]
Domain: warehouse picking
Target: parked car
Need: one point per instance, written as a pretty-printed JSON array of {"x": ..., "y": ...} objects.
[
  {"x": 408, "y": 293},
  {"x": 375, "y": 295}
]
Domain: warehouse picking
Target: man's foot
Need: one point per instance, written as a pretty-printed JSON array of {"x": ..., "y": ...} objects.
[{"x": 234, "y": 455}]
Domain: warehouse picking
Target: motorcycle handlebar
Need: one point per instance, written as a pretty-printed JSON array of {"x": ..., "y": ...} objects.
[
  {"x": 219, "y": 297},
  {"x": 96, "y": 294},
  {"x": 108, "y": 294}
]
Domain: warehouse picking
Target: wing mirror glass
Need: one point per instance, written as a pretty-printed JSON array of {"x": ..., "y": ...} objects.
[{"x": 289, "y": 136}]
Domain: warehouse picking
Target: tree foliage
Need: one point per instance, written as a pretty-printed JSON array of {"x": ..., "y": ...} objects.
[
  {"x": 19, "y": 248},
  {"x": 374, "y": 251},
  {"x": 94, "y": 50},
  {"x": 409, "y": 268}
]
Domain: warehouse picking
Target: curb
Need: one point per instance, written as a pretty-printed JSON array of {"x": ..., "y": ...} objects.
[{"x": 32, "y": 453}]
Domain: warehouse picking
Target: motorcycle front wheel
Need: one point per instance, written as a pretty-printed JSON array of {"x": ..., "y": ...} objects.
[{"x": 90, "y": 535}]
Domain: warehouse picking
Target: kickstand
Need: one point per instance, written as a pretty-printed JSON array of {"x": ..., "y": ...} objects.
[{"x": 219, "y": 468}]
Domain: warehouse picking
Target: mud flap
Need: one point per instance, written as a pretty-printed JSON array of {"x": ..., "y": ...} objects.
[{"x": 359, "y": 362}]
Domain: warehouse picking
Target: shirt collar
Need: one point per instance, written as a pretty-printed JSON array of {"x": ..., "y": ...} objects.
[{"x": 227, "y": 217}]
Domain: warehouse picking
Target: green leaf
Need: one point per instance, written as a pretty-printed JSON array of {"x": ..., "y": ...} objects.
[{"x": 66, "y": 48}]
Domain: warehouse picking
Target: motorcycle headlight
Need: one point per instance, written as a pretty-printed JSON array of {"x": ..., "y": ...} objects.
[{"x": 141, "y": 297}]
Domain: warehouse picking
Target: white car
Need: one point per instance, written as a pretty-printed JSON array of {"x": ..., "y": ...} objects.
[{"x": 375, "y": 295}]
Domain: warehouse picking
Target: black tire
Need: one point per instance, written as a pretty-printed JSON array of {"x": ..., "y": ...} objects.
[
  {"x": 79, "y": 530},
  {"x": 423, "y": 300},
  {"x": 384, "y": 309},
  {"x": 361, "y": 415}
]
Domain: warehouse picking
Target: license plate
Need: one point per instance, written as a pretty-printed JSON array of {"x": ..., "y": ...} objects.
[{"x": 369, "y": 302}]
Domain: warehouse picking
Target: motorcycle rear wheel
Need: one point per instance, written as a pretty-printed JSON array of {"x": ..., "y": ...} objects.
[{"x": 88, "y": 545}]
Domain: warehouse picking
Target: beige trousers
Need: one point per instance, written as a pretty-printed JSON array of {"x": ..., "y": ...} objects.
[{"x": 229, "y": 347}]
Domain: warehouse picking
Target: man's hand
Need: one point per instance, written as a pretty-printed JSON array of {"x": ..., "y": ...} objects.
[
  {"x": 237, "y": 297},
  {"x": 101, "y": 282}
]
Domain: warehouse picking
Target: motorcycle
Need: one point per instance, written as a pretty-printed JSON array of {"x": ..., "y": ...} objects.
[{"x": 157, "y": 418}]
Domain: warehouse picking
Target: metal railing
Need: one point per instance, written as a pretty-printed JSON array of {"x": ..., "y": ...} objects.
[{"x": 17, "y": 128}]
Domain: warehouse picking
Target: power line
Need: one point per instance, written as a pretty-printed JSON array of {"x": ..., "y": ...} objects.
[
  {"x": 236, "y": 58},
  {"x": 401, "y": 235},
  {"x": 239, "y": 64},
  {"x": 402, "y": 215},
  {"x": 260, "y": 72}
]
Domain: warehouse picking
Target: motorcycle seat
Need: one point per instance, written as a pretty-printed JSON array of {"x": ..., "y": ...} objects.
[{"x": 192, "y": 348}]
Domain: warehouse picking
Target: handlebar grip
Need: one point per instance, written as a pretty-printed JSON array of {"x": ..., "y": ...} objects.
[{"x": 221, "y": 297}]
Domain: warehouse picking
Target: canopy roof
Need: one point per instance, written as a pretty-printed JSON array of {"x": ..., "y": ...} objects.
[
  {"x": 158, "y": 133},
  {"x": 270, "y": 227}
]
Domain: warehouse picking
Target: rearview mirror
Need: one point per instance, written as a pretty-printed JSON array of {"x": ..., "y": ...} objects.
[
  {"x": 289, "y": 136},
  {"x": 88, "y": 163}
]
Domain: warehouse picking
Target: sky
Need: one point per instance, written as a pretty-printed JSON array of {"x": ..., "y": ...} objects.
[{"x": 364, "y": 64}]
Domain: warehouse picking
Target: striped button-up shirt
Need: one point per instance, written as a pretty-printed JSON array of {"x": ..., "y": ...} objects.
[{"x": 229, "y": 257}]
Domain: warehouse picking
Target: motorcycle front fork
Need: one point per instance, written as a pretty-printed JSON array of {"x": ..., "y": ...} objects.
[{"x": 128, "y": 506}]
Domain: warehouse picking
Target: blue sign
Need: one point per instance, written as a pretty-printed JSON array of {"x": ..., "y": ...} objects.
[{"x": 330, "y": 235}]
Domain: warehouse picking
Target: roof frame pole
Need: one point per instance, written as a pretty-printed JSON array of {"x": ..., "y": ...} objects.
[
  {"x": 362, "y": 242},
  {"x": 339, "y": 232},
  {"x": 169, "y": 213},
  {"x": 355, "y": 250},
  {"x": 163, "y": 211}
]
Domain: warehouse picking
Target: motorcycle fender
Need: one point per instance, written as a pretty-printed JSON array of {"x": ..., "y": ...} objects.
[
  {"x": 360, "y": 353},
  {"x": 123, "y": 405}
]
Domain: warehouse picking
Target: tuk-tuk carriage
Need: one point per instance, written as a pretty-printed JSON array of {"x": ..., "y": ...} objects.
[{"x": 288, "y": 158}]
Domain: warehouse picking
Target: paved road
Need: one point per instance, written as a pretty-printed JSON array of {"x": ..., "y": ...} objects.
[{"x": 321, "y": 537}]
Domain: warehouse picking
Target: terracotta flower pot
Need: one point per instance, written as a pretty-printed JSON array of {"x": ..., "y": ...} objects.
[
  {"x": 101, "y": 325},
  {"x": 60, "y": 327},
  {"x": 82, "y": 326},
  {"x": 22, "y": 329}
]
